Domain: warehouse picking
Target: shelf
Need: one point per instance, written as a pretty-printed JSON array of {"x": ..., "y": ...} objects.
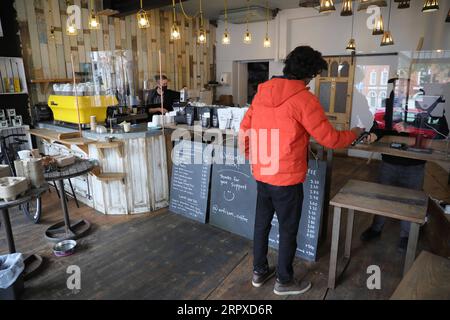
[
  {"x": 62, "y": 80},
  {"x": 109, "y": 145},
  {"x": 108, "y": 176},
  {"x": 12, "y": 93}
]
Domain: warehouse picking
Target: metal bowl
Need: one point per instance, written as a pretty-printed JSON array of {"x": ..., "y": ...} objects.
[{"x": 64, "y": 248}]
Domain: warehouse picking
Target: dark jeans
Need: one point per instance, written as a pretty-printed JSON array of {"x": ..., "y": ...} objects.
[
  {"x": 287, "y": 203},
  {"x": 410, "y": 177}
]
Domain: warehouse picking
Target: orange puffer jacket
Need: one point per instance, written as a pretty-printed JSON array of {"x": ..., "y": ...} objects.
[{"x": 283, "y": 116}]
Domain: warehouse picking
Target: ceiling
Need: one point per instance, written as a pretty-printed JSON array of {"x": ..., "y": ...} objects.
[{"x": 212, "y": 9}]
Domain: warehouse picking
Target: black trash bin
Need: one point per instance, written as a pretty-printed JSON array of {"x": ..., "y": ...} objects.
[
  {"x": 11, "y": 275},
  {"x": 14, "y": 291}
]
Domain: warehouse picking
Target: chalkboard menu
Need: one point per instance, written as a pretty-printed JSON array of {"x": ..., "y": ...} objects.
[
  {"x": 233, "y": 194},
  {"x": 309, "y": 228},
  {"x": 191, "y": 173}
]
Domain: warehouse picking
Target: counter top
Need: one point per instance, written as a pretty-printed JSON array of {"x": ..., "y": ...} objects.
[{"x": 137, "y": 131}]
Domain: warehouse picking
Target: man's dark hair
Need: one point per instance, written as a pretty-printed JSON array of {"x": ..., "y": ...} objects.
[
  {"x": 163, "y": 77},
  {"x": 304, "y": 63}
]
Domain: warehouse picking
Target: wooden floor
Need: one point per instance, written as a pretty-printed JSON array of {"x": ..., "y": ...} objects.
[{"x": 165, "y": 256}]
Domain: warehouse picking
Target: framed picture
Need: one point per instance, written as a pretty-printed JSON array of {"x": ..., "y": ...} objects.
[
  {"x": 1, "y": 30},
  {"x": 2, "y": 114},
  {"x": 4, "y": 124}
]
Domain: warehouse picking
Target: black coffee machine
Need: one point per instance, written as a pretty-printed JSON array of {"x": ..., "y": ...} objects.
[{"x": 119, "y": 114}]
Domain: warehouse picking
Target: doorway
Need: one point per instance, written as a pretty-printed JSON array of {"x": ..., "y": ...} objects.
[
  {"x": 258, "y": 72},
  {"x": 247, "y": 75}
]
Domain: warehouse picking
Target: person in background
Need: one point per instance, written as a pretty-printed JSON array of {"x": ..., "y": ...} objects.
[
  {"x": 398, "y": 171},
  {"x": 154, "y": 97},
  {"x": 285, "y": 106}
]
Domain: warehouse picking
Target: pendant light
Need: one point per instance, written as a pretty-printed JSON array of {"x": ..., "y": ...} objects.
[
  {"x": 52, "y": 28},
  {"x": 351, "y": 46},
  {"x": 404, "y": 4},
  {"x": 387, "y": 39},
  {"x": 142, "y": 19},
  {"x": 267, "y": 42},
  {"x": 378, "y": 28},
  {"x": 226, "y": 36},
  {"x": 174, "y": 30},
  {"x": 326, "y": 6},
  {"x": 247, "y": 35},
  {"x": 347, "y": 8},
  {"x": 94, "y": 22},
  {"x": 430, "y": 5},
  {"x": 364, "y": 4},
  {"x": 201, "y": 31}
]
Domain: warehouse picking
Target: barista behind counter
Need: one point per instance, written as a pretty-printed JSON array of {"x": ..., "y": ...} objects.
[{"x": 154, "y": 97}]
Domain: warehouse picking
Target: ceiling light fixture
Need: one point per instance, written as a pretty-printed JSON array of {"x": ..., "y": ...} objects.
[
  {"x": 201, "y": 31},
  {"x": 94, "y": 22},
  {"x": 430, "y": 6},
  {"x": 267, "y": 42},
  {"x": 247, "y": 35},
  {"x": 347, "y": 8},
  {"x": 326, "y": 6},
  {"x": 226, "y": 36},
  {"x": 142, "y": 18},
  {"x": 174, "y": 30},
  {"x": 387, "y": 39}
]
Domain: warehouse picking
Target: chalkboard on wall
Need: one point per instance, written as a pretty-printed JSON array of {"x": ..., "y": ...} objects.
[
  {"x": 191, "y": 174},
  {"x": 233, "y": 195},
  {"x": 311, "y": 219}
]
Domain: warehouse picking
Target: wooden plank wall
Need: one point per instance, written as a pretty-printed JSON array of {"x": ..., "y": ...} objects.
[{"x": 185, "y": 62}]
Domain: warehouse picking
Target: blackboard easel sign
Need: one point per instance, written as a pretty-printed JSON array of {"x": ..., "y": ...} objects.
[
  {"x": 191, "y": 174},
  {"x": 312, "y": 211},
  {"x": 233, "y": 194}
]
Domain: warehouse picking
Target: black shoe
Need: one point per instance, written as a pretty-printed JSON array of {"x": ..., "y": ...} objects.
[
  {"x": 291, "y": 288},
  {"x": 260, "y": 278},
  {"x": 370, "y": 234},
  {"x": 402, "y": 244}
]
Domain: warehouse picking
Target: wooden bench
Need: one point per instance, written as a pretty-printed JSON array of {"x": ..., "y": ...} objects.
[
  {"x": 393, "y": 202},
  {"x": 428, "y": 279}
]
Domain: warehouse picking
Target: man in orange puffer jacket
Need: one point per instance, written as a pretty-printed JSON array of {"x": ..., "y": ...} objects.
[{"x": 275, "y": 135}]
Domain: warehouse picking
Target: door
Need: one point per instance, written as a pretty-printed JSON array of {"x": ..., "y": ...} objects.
[{"x": 334, "y": 87}]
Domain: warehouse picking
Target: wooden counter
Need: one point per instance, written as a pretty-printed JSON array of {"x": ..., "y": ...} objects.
[{"x": 132, "y": 177}]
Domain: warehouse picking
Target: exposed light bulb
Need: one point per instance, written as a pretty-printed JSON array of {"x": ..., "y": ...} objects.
[
  {"x": 248, "y": 38},
  {"x": 72, "y": 30},
  {"x": 93, "y": 22},
  {"x": 267, "y": 42},
  {"x": 143, "y": 21},
  {"x": 175, "y": 32},
  {"x": 202, "y": 36},
  {"x": 226, "y": 38}
]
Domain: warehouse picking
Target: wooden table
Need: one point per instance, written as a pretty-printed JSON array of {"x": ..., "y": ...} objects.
[
  {"x": 393, "y": 202},
  {"x": 428, "y": 279},
  {"x": 32, "y": 262}
]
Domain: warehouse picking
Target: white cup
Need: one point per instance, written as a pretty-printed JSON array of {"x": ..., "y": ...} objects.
[
  {"x": 25, "y": 154},
  {"x": 157, "y": 120},
  {"x": 127, "y": 127}
]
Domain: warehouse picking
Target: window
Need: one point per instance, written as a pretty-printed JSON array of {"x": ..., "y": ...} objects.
[
  {"x": 382, "y": 96},
  {"x": 372, "y": 99},
  {"x": 373, "y": 78},
  {"x": 384, "y": 78}
]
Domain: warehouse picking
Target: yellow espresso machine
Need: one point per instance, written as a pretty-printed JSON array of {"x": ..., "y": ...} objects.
[{"x": 65, "y": 107}]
